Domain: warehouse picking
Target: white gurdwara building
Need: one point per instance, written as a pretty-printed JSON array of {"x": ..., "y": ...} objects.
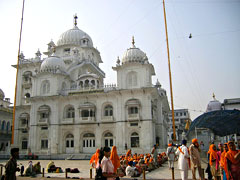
[{"x": 63, "y": 106}]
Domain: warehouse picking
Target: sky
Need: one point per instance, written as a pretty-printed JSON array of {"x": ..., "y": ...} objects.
[{"x": 202, "y": 65}]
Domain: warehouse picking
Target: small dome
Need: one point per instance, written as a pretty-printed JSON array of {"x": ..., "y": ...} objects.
[
  {"x": 134, "y": 54},
  {"x": 214, "y": 105},
  {"x": 2, "y": 95},
  {"x": 52, "y": 64},
  {"x": 75, "y": 36}
]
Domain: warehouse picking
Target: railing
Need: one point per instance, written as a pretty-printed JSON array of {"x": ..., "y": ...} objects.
[
  {"x": 87, "y": 118},
  {"x": 43, "y": 121},
  {"x": 68, "y": 120},
  {"x": 107, "y": 118},
  {"x": 90, "y": 89},
  {"x": 133, "y": 116}
]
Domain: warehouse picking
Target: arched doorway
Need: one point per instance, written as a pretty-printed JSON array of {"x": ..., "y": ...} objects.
[
  {"x": 69, "y": 144},
  {"x": 108, "y": 140},
  {"x": 89, "y": 143}
]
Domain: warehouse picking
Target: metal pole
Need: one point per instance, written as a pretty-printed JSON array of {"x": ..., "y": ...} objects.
[
  {"x": 42, "y": 172},
  {"x": 15, "y": 96},
  {"x": 173, "y": 173},
  {"x": 144, "y": 174},
  {"x": 90, "y": 173},
  {"x": 66, "y": 176},
  {"x": 170, "y": 76}
]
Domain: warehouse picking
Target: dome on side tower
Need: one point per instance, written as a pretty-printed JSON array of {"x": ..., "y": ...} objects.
[
  {"x": 134, "y": 54},
  {"x": 75, "y": 36},
  {"x": 214, "y": 105},
  {"x": 52, "y": 64}
]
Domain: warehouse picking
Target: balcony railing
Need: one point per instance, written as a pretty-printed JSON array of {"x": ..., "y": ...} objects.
[
  {"x": 81, "y": 90},
  {"x": 43, "y": 121},
  {"x": 107, "y": 118},
  {"x": 133, "y": 117},
  {"x": 68, "y": 121},
  {"x": 87, "y": 119}
]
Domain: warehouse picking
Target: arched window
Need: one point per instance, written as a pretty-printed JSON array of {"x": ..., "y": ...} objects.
[
  {"x": 86, "y": 83},
  {"x": 27, "y": 76},
  {"x": 108, "y": 139},
  {"x": 135, "y": 140},
  {"x": 27, "y": 95},
  {"x": 81, "y": 84},
  {"x": 93, "y": 83},
  {"x": 24, "y": 117},
  {"x": 45, "y": 87},
  {"x": 44, "y": 143},
  {"x": 43, "y": 112},
  {"x": 3, "y": 125},
  {"x": 69, "y": 141},
  {"x": 70, "y": 112},
  {"x": 8, "y": 126},
  {"x": 132, "y": 79},
  {"x": 24, "y": 143},
  {"x": 133, "y": 110},
  {"x": 108, "y": 110},
  {"x": 64, "y": 86},
  {"x": 88, "y": 140}
]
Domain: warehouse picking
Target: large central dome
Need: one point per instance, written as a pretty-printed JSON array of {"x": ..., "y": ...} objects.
[{"x": 75, "y": 36}]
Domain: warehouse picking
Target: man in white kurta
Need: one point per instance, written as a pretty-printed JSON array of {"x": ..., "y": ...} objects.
[
  {"x": 171, "y": 156},
  {"x": 183, "y": 159}
]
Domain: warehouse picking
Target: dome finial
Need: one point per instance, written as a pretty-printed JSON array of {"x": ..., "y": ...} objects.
[
  {"x": 133, "y": 42},
  {"x": 213, "y": 96},
  {"x": 75, "y": 19}
]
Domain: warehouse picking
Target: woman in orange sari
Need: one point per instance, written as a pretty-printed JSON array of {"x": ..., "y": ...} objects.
[
  {"x": 232, "y": 162},
  {"x": 212, "y": 161},
  {"x": 115, "y": 159},
  {"x": 94, "y": 158},
  {"x": 222, "y": 160}
]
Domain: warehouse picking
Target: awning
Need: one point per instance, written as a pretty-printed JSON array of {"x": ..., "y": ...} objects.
[{"x": 222, "y": 123}]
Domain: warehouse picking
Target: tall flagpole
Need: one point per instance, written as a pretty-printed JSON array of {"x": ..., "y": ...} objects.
[
  {"x": 15, "y": 96},
  {"x": 170, "y": 76}
]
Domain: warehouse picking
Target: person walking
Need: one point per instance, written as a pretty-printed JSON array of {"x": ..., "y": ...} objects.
[
  {"x": 183, "y": 160},
  {"x": 107, "y": 165},
  {"x": 154, "y": 154},
  {"x": 194, "y": 152},
  {"x": 11, "y": 166},
  {"x": 171, "y": 156}
]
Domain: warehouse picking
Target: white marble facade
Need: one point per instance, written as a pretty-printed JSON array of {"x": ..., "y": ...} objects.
[{"x": 64, "y": 107}]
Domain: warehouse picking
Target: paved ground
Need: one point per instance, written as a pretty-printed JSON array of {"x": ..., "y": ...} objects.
[{"x": 84, "y": 167}]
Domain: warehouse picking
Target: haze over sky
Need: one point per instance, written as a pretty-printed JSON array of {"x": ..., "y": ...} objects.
[{"x": 208, "y": 62}]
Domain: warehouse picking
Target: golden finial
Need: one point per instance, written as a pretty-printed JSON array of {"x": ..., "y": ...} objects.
[
  {"x": 213, "y": 96},
  {"x": 75, "y": 19},
  {"x": 133, "y": 42}
]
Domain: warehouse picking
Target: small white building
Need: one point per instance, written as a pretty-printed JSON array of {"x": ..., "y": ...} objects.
[
  {"x": 64, "y": 107},
  {"x": 181, "y": 117}
]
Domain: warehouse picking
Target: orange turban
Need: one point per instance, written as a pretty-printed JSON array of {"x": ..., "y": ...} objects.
[
  {"x": 169, "y": 145},
  {"x": 114, "y": 158},
  {"x": 194, "y": 140}
]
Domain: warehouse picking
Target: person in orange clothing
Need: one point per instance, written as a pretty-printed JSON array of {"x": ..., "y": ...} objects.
[
  {"x": 94, "y": 158},
  {"x": 222, "y": 160},
  {"x": 115, "y": 159},
  {"x": 212, "y": 161},
  {"x": 232, "y": 162}
]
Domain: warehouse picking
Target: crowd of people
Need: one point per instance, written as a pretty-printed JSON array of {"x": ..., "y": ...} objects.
[
  {"x": 131, "y": 165},
  {"x": 223, "y": 163}
]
